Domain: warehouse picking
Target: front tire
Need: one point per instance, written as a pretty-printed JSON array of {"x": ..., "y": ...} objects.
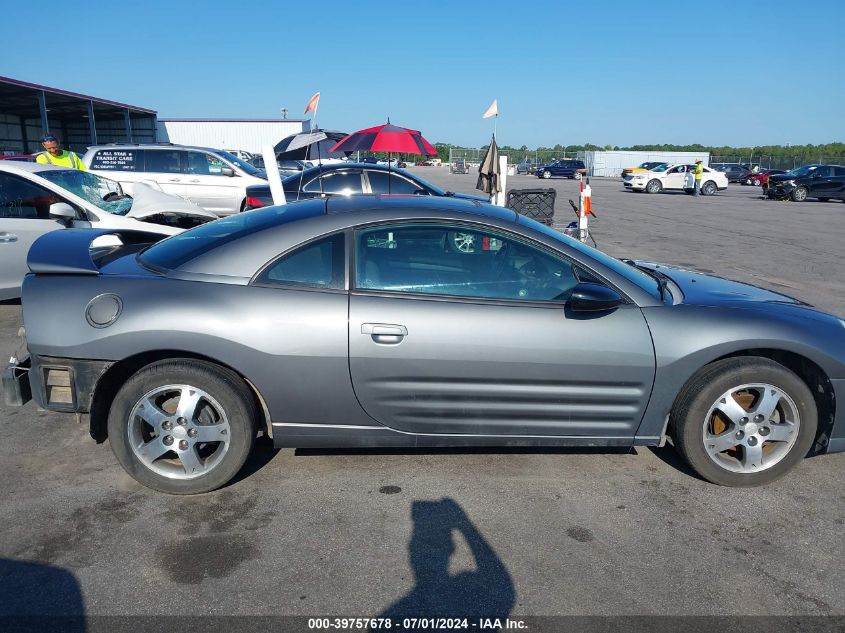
[
  {"x": 547, "y": 174},
  {"x": 744, "y": 421},
  {"x": 654, "y": 186},
  {"x": 182, "y": 426},
  {"x": 799, "y": 194}
]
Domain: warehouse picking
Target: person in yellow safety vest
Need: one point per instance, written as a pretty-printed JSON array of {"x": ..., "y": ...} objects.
[
  {"x": 697, "y": 171},
  {"x": 58, "y": 157}
]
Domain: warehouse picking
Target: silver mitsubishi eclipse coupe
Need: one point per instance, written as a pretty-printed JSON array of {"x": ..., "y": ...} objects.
[{"x": 410, "y": 321}]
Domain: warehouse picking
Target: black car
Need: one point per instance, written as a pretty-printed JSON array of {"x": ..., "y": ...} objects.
[
  {"x": 567, "y": 168},
  {"x": 369, "y": 160},
  {"x": 810, "y": 181},
  {"x": 736, "y": 172},
  {"x": 349, "y": 179}
]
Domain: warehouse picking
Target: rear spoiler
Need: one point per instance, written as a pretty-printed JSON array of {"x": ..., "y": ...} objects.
[{"x": 67, "y": 251}]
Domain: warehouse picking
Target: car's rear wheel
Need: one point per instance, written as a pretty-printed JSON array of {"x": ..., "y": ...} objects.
[
  {"x": 744, "y": 421},
  {"x": 799, "y": 194},
  {"x": 709, "y": 188},
  {"x": 755, "y": 182},
  {"x": 547, "y": 174},
  {"x": 577, "y": 176},
  {"x": 182, "y": 426},
  {"x": 654, "y": 186}
]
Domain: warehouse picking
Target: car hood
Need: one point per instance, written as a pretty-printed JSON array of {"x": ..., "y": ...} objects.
[
  {"x": 782, "y": 177},
  {"x": 702, "y": 289},
  {"x": 148, "y": 201}
]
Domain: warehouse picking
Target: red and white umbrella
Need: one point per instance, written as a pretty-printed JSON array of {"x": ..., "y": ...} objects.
[{"x": 386, "y": 138}]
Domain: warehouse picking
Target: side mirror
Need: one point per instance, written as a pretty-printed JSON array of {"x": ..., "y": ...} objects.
[
  {"x": 62, "y": 212},
  {"x": 589, "y": 297},
  {"x": 227, "y": 171}
]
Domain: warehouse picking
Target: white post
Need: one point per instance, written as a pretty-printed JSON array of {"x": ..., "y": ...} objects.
[
  {"x": 499, "y": 198},
  {"x": 273, "y": 175}
]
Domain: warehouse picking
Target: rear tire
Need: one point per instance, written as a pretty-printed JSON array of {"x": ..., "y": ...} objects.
[
  {"x": 746, "y": 381},
  {"x": 654, "y": 186},
  {"x": 709, "y": 188},
  {"x": 182, "y": 426}
]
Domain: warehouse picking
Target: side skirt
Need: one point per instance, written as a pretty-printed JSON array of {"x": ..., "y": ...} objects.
[{"x": 294, "y": 435}]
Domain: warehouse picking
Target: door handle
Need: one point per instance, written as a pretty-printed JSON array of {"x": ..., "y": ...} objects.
[
  {"x": 385, "y": 333},
  {"x": 175, "y": 180},
  {"x": 8, "y": 238},
  {"x": 194, "y": 180}
]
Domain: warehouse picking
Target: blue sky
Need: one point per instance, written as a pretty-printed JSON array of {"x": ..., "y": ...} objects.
[{"x": 638, "y": 71}]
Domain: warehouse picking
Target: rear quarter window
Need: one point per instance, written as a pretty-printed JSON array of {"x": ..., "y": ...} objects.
[{"x": 115, "y": 160}]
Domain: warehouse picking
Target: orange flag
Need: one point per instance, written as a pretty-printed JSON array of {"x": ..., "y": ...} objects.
[{"x": 312, "y": 103}]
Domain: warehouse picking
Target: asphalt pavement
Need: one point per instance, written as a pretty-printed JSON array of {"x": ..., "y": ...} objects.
[{"x": 521, "y": 533}]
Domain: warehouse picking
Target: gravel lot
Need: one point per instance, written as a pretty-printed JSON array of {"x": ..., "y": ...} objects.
[{"x": 534, "y": 532}]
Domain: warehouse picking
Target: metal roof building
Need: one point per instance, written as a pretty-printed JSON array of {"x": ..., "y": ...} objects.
[
  {"x": 250, "y": 135},
  {"x": 29, "y": 110}
]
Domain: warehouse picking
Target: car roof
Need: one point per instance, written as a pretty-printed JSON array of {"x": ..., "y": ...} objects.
[
  {"x": 317, "y": 169},
  {"x": 154, "y": 146},
  {"x": 269, "y": 231}
]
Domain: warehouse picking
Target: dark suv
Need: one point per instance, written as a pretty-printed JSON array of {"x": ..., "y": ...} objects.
[
  {"x": 736, "y": 172},
  {"x": 568, "y": 167},
  {"x": 810, "y": 181}
]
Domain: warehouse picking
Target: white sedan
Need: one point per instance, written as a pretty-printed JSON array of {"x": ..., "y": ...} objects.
[
  {"x": 676, "y": 177},
  {"x": 37, "y": 198}
]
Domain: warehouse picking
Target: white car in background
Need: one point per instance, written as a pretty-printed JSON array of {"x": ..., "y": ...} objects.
[
  {"x": 36, "y": 199},
  {"x": 675, "y": 178},
  {"x": 212, "y": 178}
]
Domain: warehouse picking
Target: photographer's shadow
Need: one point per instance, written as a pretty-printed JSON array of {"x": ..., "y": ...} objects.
[{"x": 486, "y": 592}]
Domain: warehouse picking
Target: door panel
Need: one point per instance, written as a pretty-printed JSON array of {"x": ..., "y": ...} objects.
[
  {"x": 482, "y": 368},
  {"x": 16, "y": 236},
  {"x": 207, "y": 186}
]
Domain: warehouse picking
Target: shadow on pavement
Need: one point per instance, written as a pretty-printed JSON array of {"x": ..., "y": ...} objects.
[
  {"x": 36, "y": 597},
  {"x": 486, "y": 592}
]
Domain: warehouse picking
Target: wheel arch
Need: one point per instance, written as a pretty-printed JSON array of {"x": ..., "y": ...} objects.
[
  {"x": 115, "y": 376},
  {"x": 807, "y": 370}
]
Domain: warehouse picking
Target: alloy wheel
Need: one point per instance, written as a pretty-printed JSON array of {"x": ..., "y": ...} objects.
[
  {"x": 750, "y": 428},
  {"x": 179, "y": 431}
]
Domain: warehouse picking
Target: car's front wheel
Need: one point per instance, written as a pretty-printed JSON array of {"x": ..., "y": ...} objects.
[
  {"x": 654, "y": 186},
  {"x": 744, "y": 421},
  {"x": 182, "y": 426},
  {"x": 799, "y": 194},
  {"x": 547, "y": 174},
  {"x": 755, "y": 182}
]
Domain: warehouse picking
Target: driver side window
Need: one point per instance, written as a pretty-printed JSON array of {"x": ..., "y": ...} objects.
[{"x": 459, "y": 261}]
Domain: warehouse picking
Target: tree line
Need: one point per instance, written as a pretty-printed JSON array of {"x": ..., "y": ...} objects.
[{"x": 812, "y": 152}]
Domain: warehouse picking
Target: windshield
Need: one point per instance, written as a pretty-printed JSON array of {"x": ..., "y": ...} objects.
[
  {"x": 242, "y": 164},
  {"x": 803, "y": 170},
  {"x": 629, "y": 272},
  {"x": 90, "y": 188}
]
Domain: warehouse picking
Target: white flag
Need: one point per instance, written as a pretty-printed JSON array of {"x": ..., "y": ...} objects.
[{"x": 493, "y": 110}]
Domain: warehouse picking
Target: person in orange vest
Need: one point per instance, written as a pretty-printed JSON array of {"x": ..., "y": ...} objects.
[
  {"x": 54, "y": 155},
  {"x": 698, "y": 172}
]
